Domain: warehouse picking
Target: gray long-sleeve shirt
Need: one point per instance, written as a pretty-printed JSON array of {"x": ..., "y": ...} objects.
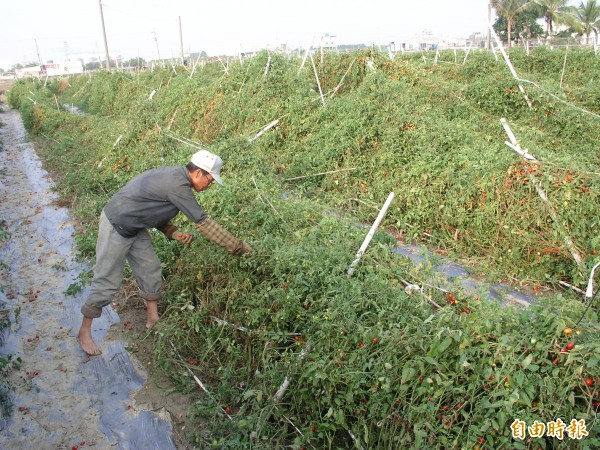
[{"x": 152, "y": 199}]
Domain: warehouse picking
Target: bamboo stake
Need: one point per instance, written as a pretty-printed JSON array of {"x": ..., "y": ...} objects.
[
  {"x": 56, "y": 100},
  {"x": 576, "y": 289},
  {"x": 201, "y": 385},
  {"x": 410, "y": 288},
  {"x": 183, "y": 141},
  {"x": 266, "y": 200},
  {"x": 365, "y": 244},
  {"x": 536, "y": 183},
  {"x": 342, "y": 80},
  {"x": 510, "y": 66},
  {"x": 317, "y": 174},
  {"x": 172, "y": 119},
  {"x": 225, "y": 323},
  {"x": 48, "y": 137}
]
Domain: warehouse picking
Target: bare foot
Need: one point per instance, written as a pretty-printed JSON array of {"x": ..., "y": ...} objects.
[
  {"x": 88, "y": 345},
  {"x": 152, "y": 311}
]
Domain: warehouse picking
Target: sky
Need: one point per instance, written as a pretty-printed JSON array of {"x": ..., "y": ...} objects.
[{"x": 62, "y": 29}]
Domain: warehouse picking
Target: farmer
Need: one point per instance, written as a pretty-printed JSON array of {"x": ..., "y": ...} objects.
[{"x": 150, "y": 200}]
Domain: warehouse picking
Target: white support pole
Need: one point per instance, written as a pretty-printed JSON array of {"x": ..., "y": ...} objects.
[
  {"x": 367, "y": 240},
  {"x": 562, "y": 75},
  {"x": 303, "y": 60},
  {"x": 286, "y": 382},
  {"x": 589, "y": 292},
  {"x": 194, "y": 67},
  {"x": 264, "y": 130},
  {"x": 267, "y": 65},
  {"x": 118, "y": 140},
  {"x": 225, "y": 69},
  {"x": 493, "y": 47},
  {"x": 317, "y": 77},
  {"x": 513, "y": 142},
  {"x": 467, "y": 53},
  {"x": 510, "y": 66}
]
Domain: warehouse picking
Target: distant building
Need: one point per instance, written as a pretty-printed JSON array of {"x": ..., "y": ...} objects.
[
  {"x": 25, "y": 72},
  {"x": 63, "y": 68}
]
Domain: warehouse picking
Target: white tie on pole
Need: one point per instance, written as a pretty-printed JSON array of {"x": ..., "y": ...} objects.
[{"x": 365, "y": 244}]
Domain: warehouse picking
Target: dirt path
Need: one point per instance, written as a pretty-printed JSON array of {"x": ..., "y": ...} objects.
[{"x": 59, "y": 397}]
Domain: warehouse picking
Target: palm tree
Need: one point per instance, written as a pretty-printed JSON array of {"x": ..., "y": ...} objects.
[
  {"x": 509, "y": 10},
  {"x": 555, "y": 12},
  {"x": 588, "y": 19}
]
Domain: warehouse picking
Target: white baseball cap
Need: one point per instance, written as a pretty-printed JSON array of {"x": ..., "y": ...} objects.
[{"x": 209, "y": 162}]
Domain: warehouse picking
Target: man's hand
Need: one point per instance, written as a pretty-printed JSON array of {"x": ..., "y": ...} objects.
[
  {"x": 246, "y": 248},
  {"x": 184, "y": 238}
]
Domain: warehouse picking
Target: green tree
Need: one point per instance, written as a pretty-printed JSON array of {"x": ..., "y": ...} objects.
[
  {"x": 135, "y": 62},
  {"x": 24, "y": 65},
  {"x": 588, "y": 19},
  {"x": 92, "y": 66},
  {"x": 555, "y": 12},
  {"x": 525, "y": 27},
  {"x": 509, "y": 10}
]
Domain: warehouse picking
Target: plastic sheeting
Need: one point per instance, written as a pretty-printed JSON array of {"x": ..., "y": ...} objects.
[{"x": 58, "y": 397}]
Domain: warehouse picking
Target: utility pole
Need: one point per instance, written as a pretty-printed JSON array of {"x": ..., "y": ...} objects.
[
  {"x": 181, "y": 43},
  {"x": 104, "y": 33},
  {"x": 489, "y": 41},
  {"x": 157, "y": 50},
  {"x": 38, "y": 51}
]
